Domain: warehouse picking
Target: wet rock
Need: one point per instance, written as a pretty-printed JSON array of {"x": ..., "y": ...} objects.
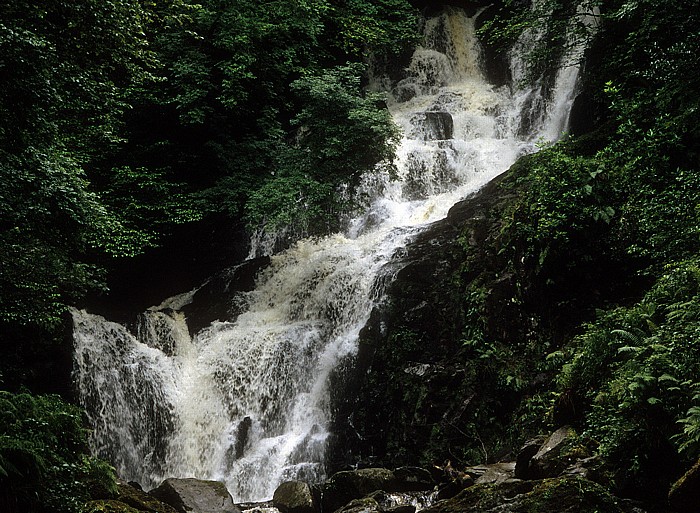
[
  {"x": 684, "y": 496},
  {"x": 132, "y": 495},
  {"x": 195, "y": 495},
  {"x": 363, "y": 505},
  {"x": 563, "y": 495},
  {"x": 411, "y": 479},
  {"x": 346, "y": 486},
  {"x": 433, "y": 125},
  {"x": 294, "y": 497},
  {"x": 527, "y": 451},
  {"x": 548, "y": 461},
  {"x": 493, "y": 473},
  {"x": 220, "y": 298}
]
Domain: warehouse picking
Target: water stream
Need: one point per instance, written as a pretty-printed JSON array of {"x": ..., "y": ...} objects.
[{"x": 246, "y": 400}]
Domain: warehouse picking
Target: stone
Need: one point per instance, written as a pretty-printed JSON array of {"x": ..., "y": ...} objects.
[
  {"x": 294, "y": 497},
  {"x": 527, "y": 451},
  {"x": 346, "y": 486},
  {"x": 129, "y": 494},
  {"x": 548, "y": 461},
  {"x": 561, "y": 495},
  {"x": 363, "y": 505},
  {"x": 493, "y": 473},
  {"x": 684, "y": 495},
  {"x": 435, "y": 126},
  {"x": 411, "y": 479},
  {"x": 195, "y": 496}
]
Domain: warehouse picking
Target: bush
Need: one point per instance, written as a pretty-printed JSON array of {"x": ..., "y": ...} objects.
[
  {"x": 44, "y": 463},
  {"x": 635, "y": 371}
]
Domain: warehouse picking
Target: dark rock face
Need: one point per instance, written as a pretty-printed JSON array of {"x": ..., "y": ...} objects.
[
  {"x": 195, "y": 495},
  {"x": 684, "y": 496},
  {"x": 527, "y": 451},
  {"x": 129, "y": 499},
  {"x": 220, "y": 297},
  {"x": 414, "y": 380},
  {"x": 548, "y": 461}
]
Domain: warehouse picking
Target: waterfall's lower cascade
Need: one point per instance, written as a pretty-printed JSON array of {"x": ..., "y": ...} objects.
[{"x": 246, "y": 400}]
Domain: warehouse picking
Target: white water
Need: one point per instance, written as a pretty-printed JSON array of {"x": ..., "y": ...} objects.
[{"x": 247, "y": 402}]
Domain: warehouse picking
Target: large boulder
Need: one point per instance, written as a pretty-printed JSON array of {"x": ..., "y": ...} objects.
[
  {"x": 294, "y": 497},
  {"x": 684, "y": 496},
  {"x": 527, "y": 451},
  {"x": 492, "y": 473},
  {"x": 563, "y": 495},
  {"x": 552, "y": 458},
  {"x": 195, "y": 496},
  {"x": 140, "y": 500},
  {"x": 345, "y": 486}
]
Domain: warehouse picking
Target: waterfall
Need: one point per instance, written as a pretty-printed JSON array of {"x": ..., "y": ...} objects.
[{"x": 246, "y": 400}]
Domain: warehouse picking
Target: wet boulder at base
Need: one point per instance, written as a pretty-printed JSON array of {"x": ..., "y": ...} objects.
[
  {"x": 346, "y": 486},
  {"x": 551, "y": 459},
  {"x": 139, "y": 500},
  {"x": 196, "y": 496},
  {"x": 294, "y": 497}
]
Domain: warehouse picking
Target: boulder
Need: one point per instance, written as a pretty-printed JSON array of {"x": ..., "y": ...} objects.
[
  {"x": 684, "y": 496},
  {"x": 363, "y": 505},
  {"x": 493, "y": 473},
  {"x": 563, "y": 495},
  {"x": 140, "y": 500},
  {"x": 195, "y": 496},
  {"x": 294, "y": 497},
  {"x": 527, "y": 451},
  {"x": 345, "y": 486},
  {"x": 411, "y": 479},
  {"x": 551, "y": 458},
  {"x": 435, "y": 125}
]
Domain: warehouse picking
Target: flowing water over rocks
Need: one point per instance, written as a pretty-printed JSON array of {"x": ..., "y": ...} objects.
[{"x": 245, "y": 399}]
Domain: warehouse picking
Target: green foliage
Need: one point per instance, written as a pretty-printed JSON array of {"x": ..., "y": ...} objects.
[
  {"x": 566, "y": 196},
  {"x": 44, "y": 465},
  {"x": 341, "y": 133},
  {"x": 636, "y": 369},
  {"x": 63, "y": 77},
  {"x": 379, "y": 26}
]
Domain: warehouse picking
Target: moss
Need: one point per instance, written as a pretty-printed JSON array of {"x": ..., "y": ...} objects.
[
  {"x": 563, "y": 495},
  {"x": 108, "y": 506}
]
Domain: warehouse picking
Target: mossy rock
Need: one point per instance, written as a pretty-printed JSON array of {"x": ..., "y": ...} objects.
[
  {"x": 563, "y": 495},
  {"x": 140, "y": 500},
  {"x": 108, "y": 506},
  {"x": 684, "y": 496}
]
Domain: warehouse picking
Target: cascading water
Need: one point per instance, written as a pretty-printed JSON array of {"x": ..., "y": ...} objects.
[{"x": 246, "y": 401}]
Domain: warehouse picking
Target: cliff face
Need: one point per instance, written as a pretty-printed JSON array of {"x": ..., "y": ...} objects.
[
  {"x": 418, "y": 389},
  {"x": 451, "y": 360}
]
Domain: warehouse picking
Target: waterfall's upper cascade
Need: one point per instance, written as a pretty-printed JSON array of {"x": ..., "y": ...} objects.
[{"x": 246, "y": 400}]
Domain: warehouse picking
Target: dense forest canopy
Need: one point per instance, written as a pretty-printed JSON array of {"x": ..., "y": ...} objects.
[{"x": 122, "y": 119}]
